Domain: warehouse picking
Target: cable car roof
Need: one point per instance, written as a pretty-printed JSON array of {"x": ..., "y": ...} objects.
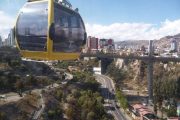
[
  {"x": 65, "y": 3},
  {"x": 33, "y": 0}
]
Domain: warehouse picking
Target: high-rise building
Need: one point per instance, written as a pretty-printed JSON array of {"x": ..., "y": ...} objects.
[
  {"x": 1, "y": 43},
  {"x": 116, "y": 47},
  {"x": 92, "y": 43},
  {"x": 5, "y": 42},
  {"x": 174, "y": 45},
  {"x": 106, "y": 43},
  {"x": 110, "y": 44},
  {"x": 102, "y": 43},
  {"x": 10, "y": 41}
]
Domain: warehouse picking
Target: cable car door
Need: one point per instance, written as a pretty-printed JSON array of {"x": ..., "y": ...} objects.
[{"x": 63, "y": 40}]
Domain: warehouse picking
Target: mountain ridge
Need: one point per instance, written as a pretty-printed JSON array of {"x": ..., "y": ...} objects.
[{"x": 163, "y": 42}]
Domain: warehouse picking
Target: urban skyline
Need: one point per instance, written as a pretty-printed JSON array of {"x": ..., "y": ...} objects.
[
  {"x": 140, "y": 20},
  {"x": 52, "y": 68}
]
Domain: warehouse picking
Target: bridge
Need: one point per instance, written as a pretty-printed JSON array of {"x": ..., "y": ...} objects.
[
  {"x": 106, "y": 59},
  {"x": 132, "y": 57}
]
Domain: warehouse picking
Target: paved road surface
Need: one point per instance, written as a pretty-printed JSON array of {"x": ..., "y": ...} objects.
[
  {"x": 38, "y": 113},
  {"x": 108, "y": 93}
]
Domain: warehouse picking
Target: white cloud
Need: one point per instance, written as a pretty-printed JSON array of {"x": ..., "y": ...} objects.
[
  {"x": 117, "y": 31},
  {"x": 6, "y": 23},
  {"x": 134, "y": 31}
]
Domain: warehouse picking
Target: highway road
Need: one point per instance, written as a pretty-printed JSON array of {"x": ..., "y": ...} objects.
[{"x": 107, "y": 91}]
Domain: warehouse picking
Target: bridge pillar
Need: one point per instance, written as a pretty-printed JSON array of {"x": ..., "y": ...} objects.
[
  {"x": 150, "y": 71},
  {"x": 105, "y": 62},
  {"x": 150, "y": 80}
]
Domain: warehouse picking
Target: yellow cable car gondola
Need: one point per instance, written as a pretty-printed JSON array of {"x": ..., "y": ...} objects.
[{"x": 49, "y": 30}]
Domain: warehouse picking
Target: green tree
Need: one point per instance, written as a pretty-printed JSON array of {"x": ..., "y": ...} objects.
[
  {"x": 59, "y": 94},
  {"x": 51, "y": 114},
  {"x": 172, "y": 112},
  {"x": 3, "y": 116},
  {"x": 116, "y": 73},
  {"x": 19, "y": 86},
  {"x": 178, "y": 87},
  {"x": 73, "y": 111},
  {"x": 32, "y": 81},
  {"x": 91, "y": 116},
  {"x": 122, "y": 99}
]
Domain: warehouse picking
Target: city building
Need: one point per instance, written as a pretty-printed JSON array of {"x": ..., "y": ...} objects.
[
  {"x": 102, "y": 44},
  {"x": 92, "y": 43},
  {"x": 141, "y": 112},
  {"x": 174, "y": 45},
  {"x": 116, "y": 47},
  {"x": 1, "y": 43},
  {"x": 110, "y": 43},
  {"x": 10, "y": 41},
  {"x": 106, "y": 44},
  {"x": 95, "y": 44},
  {"x": 6, "y": 42},
  {"x": 143, "y": 48}
]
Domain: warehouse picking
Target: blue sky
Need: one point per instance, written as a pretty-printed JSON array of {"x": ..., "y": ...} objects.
[
  {"x": 105, "y": 12},
  {"x": 149, "y": 15},
  {"x": 11, "y": 7},
  {"x": 148, "y": 11}
]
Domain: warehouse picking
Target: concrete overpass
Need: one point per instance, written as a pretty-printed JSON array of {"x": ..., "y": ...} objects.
[
  {"x": 106, "y": 59},
  {"x": 132, "y": 57}
]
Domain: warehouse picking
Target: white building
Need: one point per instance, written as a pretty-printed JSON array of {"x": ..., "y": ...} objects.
[
  {"x": 174, "y": 45},
  {"x": 97, "y": 70},
  {"x": 10, "y": 41},
  {"x": 1, "y": 43}
]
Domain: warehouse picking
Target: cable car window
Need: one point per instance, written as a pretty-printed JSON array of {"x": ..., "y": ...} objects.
[
  {"x": 74, "y": 22},
  {"x": 81, "y": 24},
  {"x": 63, "y": 21},
  {"x": 32, "y": 26},
  {"x": 66, "y": 30},
  {"x": 61, "y": 17},
  {"x": 61, "y": 43}
]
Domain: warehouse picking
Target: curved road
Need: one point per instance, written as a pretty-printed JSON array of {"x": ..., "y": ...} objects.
[{"x": 107, "y": 91}]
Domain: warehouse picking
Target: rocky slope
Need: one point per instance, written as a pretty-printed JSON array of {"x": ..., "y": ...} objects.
[{"x": 161, "y": 43}]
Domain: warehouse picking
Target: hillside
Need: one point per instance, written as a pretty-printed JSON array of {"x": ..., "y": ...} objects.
[
  {"x": 21, "y": 110},
  {"x": 165, "y": 41},
  {"x": 161, "y": 43}
]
